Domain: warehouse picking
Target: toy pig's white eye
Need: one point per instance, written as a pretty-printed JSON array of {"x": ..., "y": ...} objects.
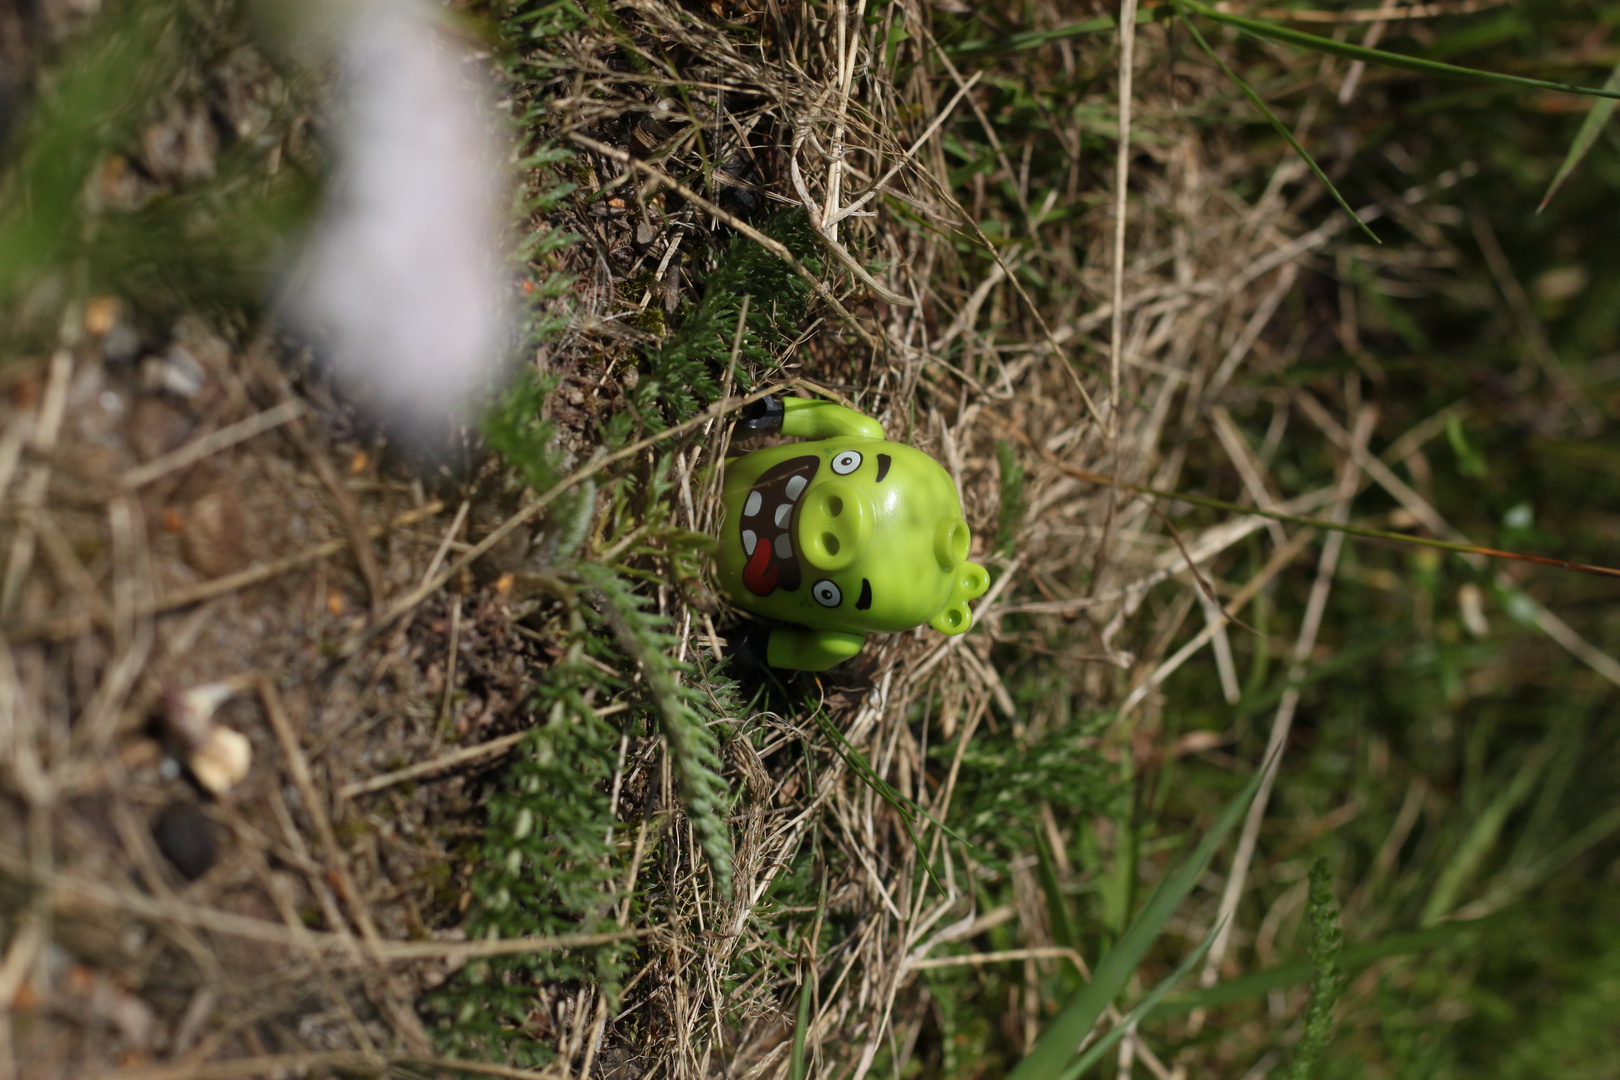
[
  {"x": 846, "y": 463},
  {"x": 827, "y": 593}
]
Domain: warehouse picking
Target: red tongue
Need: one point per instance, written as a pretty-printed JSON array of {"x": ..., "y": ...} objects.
[{"x": 762, "y": 571}]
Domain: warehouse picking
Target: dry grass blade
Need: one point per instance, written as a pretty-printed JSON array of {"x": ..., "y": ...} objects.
[
  {"x": 1283, "y": 720},
  {"x": 1122, "y": 177},
  {"x": 774, "y": 247}
]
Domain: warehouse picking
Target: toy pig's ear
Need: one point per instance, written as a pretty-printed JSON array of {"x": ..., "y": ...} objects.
[
  {"x": 955, "y": 617},
  {"x": 972, "y": 581}
]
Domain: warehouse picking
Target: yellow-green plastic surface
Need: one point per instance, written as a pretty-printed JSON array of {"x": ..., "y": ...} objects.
[{"x": 842, "y": 537}]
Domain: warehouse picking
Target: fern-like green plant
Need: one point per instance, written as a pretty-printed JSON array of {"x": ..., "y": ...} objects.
[
  {"x": 682, "y": 717},
  {"x": 683, "y": 373},
  {"x": 1322, "y": 916},
  {"x": 1004, "y": 783}
]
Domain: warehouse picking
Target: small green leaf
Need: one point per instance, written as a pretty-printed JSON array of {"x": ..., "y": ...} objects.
[{"x": 1470, "y": 462}]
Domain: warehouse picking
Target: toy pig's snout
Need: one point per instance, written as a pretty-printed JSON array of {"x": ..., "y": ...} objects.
[{"x": 835, "y": 523}]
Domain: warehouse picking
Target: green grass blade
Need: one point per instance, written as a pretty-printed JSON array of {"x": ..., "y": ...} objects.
[
  {"x": 1482, "y": 837},
  {"x": 801, "y": 1026},
  {"x": 1057, "y": 905},
  {"x": 1051, "y": 1056},
  {"x": 1517, "y": 884},
  {"x": 1034, "y": 39},
  {"x": 1353, "y": 960},
  {"x": 1096, "y": 1050},
  {"x": 1591, "y": 128},
  {"x": 1274, "y": 32},
  {"x": 1282, "y": 129},
  {"x": 907, "y": 810}
]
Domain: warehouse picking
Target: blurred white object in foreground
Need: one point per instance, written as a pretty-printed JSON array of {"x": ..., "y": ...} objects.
[{"x": 401, "y": 286}]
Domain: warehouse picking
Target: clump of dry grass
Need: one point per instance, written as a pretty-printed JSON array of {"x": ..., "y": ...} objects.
[
  {"x": 974, "y": 299},
  {"x": 985, "y": 323}
]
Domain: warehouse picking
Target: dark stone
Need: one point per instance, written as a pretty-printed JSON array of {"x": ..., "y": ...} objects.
[{"x": 187, "y": 839}]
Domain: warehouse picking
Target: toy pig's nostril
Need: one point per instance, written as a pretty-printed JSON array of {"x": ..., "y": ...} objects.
[
  {"x": 835, "y": 506},
  {"x": 830, "y": 543}
]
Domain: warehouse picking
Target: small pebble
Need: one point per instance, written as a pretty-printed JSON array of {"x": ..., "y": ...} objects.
[{"x": 215, "y": 539}]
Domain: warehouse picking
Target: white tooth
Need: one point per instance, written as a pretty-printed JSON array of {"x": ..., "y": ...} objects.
[
  {"x": 751, "y": 507},
  {"x": 784, "y": 547},
  {"x": 749, "y": 540},
  {"x": 783, "y": 512},
  {"x": 795, "y": 486}
]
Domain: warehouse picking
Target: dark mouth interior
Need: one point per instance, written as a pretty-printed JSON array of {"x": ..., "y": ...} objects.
[{"x": 766, "y": 527}]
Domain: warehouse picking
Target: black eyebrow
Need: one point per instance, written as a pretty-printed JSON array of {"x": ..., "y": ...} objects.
[
  {"x": 884, "y": 461},
  {"x": 865, "y": 601}
]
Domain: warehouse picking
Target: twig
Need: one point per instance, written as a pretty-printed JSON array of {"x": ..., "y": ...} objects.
[
  {"x": 348, "y": 512},
  {"x": 1042, "y": 952},
  {"x": 315, "y": 806},
  {"x": 70, "y": 890},
  {"x": 42, "y": 440},
  {"x": 212, "y": 443},
  {"x": 1252, "y": 330},
  {"x": 1358, "y": 68},
  {"x": 73, "y": 625},
  {"x": 1248, "y": 469},
  {"x": 528, "y": 513},
  {"x": 428, "y": 768}
]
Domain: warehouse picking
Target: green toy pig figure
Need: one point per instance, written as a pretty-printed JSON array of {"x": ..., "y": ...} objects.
[{"x": 842, "y": 537}]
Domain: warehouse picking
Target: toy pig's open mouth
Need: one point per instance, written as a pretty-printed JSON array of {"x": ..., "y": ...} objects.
[{"x": 767, "y": 526}]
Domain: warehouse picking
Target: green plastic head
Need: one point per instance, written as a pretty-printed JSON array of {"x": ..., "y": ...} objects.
[{"x": 847, "y": 534}]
